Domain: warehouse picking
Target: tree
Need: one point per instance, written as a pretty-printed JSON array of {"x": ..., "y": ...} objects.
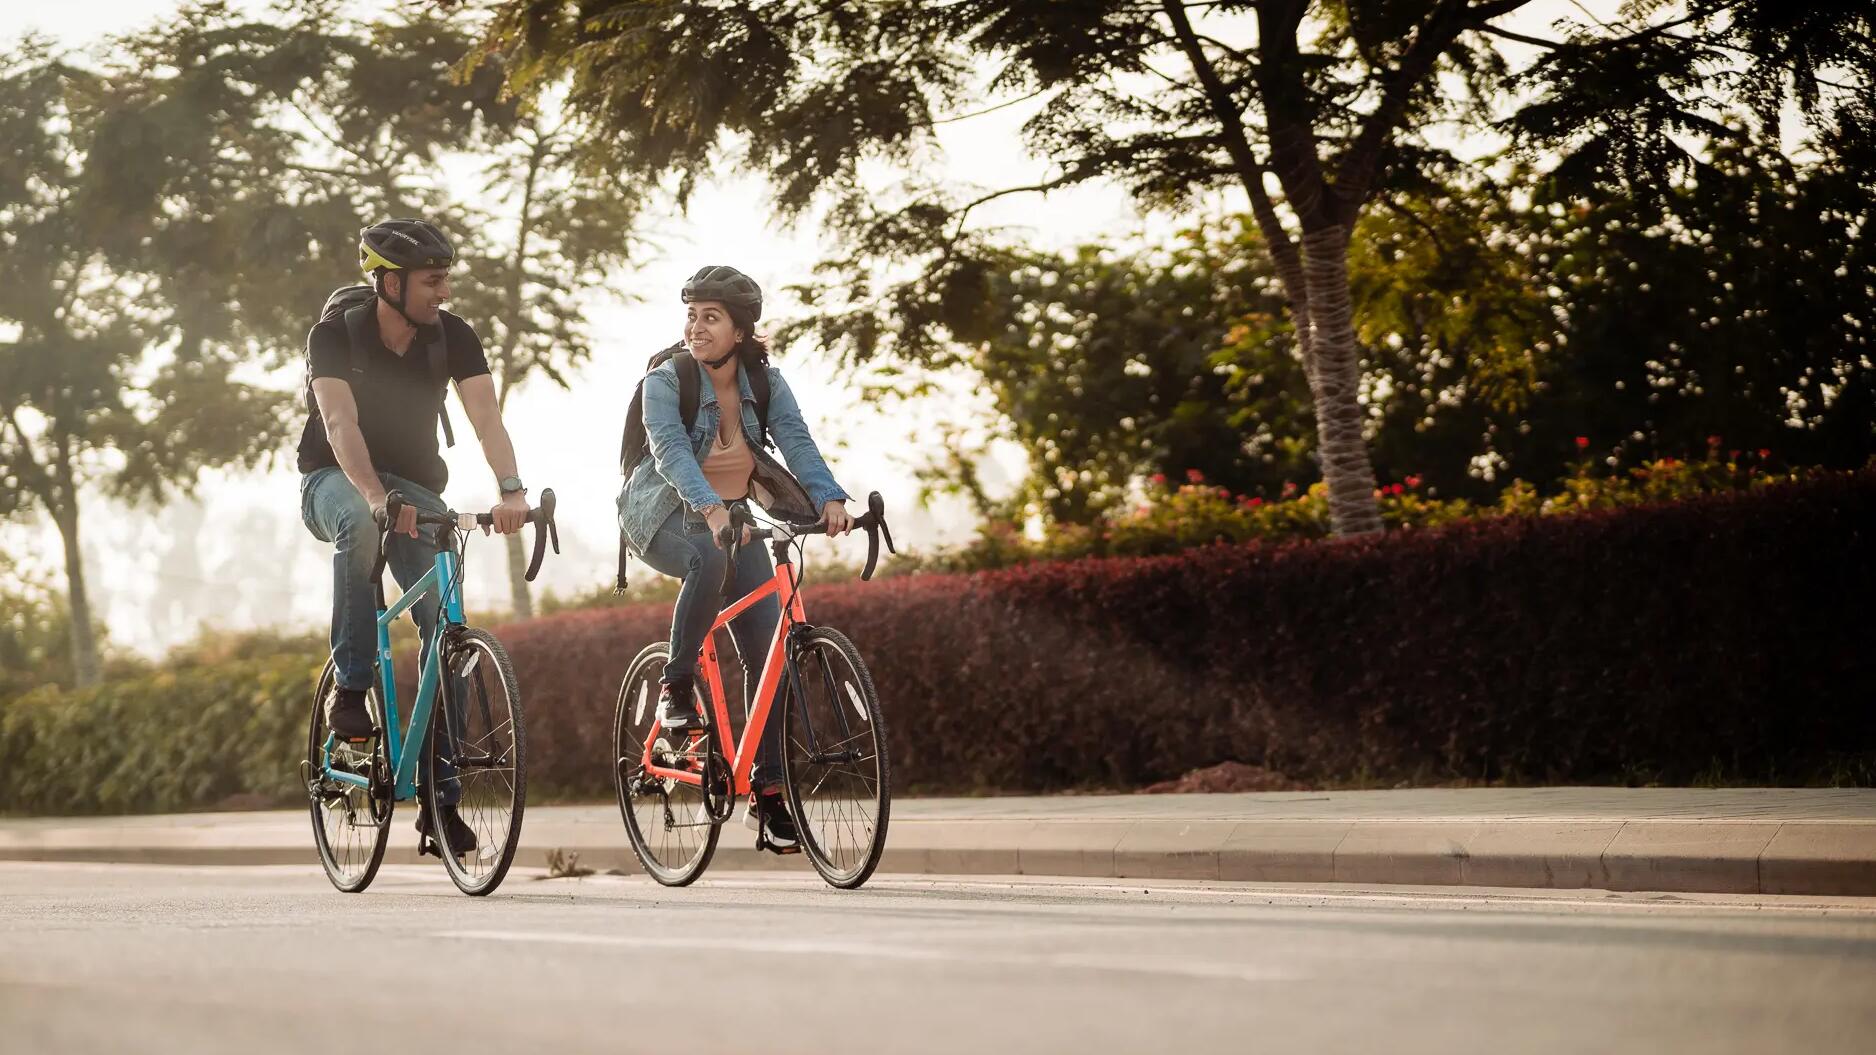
[
  {"x": 534, "y": 270},
  {"x": 286, "y": 138},
  {"x": 1313, "y": 109},
  {"x": 97, "y": 385}
]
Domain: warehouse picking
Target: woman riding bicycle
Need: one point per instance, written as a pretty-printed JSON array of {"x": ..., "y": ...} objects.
[{"x": 675, "y": 504}]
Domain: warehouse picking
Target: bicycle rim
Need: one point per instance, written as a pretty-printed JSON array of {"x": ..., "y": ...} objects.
[
  {"x": 478, "y": 730},
  {"x": 834, "y": 760},
  {"x": 666, "y": 820},
  {"x": 351, "y": 826}
]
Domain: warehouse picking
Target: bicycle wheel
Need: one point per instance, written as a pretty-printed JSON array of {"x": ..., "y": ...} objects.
[
  {"x": 351, "y": 825},
  {"x": 834, "y": 759},
  {"x": 478, "y": 729},
  {"x": 667, "y": 820}
]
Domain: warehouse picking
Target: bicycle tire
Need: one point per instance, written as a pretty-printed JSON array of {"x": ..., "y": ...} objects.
[
  {"x": 490, "y": 755},
  {"x": 351, "y": 861},
  {"x": 676, "y": 860},
  {"x": 842, "y": 839}
]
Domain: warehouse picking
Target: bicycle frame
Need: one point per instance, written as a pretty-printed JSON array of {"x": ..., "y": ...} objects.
[
  {"x": 742, "y": 761},
  {"x": 403, "y": 750}
]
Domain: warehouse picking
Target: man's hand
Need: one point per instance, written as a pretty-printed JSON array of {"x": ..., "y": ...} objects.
[
  {"x": 834, "y": 515},
  {"x": 406, "y": 517},
  {"x": 510, "y": 513}
]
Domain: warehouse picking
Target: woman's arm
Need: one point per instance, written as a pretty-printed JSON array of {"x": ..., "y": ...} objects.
[
  {"x": 791, "y": 436},
  {"x": 671, "y": 451}
]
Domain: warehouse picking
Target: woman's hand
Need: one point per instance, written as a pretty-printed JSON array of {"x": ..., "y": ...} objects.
[
  {"x": 718, "y": 517},
  {"x": 834, "y": 516}
]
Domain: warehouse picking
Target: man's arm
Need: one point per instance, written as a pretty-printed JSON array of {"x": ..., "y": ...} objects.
[
  {"x": 339, "y": 411},
  {"x": 478, "y": 398}
]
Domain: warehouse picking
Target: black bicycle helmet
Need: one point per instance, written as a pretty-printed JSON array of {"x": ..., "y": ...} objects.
[
  {"x": 398, "y": 245},
  {"x": 727, "y": 285}
]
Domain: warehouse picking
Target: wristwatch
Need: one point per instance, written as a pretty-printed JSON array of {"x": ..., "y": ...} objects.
[{"x": 510, "y": 484}]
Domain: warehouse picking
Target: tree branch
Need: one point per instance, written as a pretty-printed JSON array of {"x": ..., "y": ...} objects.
[
  {"x": 1354, "y": 178},
  {"x": 1288, "y": 120}
]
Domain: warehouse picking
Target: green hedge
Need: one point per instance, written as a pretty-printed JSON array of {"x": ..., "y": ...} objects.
[
  {"x": 203, "y": 737},
  {"x": 1720, "y": 639}
]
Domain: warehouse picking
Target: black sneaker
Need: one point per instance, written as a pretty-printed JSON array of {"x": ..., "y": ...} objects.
[
  {"x": 348, "y": 717},
  {"x": 767, "y": 815},
  {"x": 677, "y": 708},
  {"x": 462, "y": 838}
]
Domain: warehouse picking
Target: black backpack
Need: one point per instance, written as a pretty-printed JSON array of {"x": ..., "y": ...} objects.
[
  {"x": 356, "y": 303},
  {"x": 635, "y": 444}
]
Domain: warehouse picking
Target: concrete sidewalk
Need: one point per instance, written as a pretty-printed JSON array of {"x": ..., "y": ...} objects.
[{"x": 1740, "y": 841}]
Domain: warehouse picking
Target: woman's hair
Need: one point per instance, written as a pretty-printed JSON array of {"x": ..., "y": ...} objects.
[{"x": 753, "y": 349}]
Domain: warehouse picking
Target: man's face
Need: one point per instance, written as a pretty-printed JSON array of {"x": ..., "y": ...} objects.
[{"x": 429, "y": 290}]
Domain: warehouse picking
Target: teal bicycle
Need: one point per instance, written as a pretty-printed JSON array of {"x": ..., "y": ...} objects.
[{"x": 475, "y": 760}]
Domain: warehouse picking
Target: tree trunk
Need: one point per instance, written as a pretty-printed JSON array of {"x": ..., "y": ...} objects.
[
  {"x": 518, "y": 596},
  {"x": 1353, "y": 509},
  {"x": 85, "y": 666}
]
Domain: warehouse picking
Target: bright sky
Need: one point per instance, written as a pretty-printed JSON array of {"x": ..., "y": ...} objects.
[{"x": 238, "y": 556}]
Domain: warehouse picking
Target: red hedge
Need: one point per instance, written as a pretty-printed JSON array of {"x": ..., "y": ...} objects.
[{"x": 1726, "y": 637}]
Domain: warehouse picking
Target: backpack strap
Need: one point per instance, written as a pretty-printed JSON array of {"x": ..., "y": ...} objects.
[
  {"x": 759, "y": 384},
  {"x": 355, "y": 334},
  {"x": 439, "y": 370},
  {"x": 689, "y": 387}
]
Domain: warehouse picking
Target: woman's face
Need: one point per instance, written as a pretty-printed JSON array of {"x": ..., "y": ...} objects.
[{"x": 708, "y": 331}]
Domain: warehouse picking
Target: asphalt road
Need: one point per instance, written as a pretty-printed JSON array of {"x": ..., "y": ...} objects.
[{"x": 115, "y": 958}]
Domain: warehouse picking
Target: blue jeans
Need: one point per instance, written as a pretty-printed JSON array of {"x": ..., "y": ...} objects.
[
  {"x": 683, "y": 549},
  {"x": 334, "y": 511}
]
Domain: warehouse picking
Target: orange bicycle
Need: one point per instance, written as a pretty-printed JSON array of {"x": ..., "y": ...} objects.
[{"x": 676, "y": 789}]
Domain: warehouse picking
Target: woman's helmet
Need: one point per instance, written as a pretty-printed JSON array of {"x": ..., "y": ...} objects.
[
  {"x": 729, "y": 286},
  {"x": 402, "y": 245}
]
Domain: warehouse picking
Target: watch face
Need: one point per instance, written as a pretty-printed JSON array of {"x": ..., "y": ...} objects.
[{"x": 510, "y": 484}]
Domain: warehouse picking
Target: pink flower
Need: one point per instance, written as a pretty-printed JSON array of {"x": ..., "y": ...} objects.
[
  {"x": 1414, "y": 481},
  {"x": 1713, "y": 442},
  {"x": 1288, "y": 488},
  {"x": 1193, "y": 476}
]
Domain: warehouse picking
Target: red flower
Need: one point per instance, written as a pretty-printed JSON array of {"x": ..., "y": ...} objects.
[
  {"x": 1732, "y": 456},
  {"x": 1288, "y": 488},
  {"x": 1764, "y": 453},
  {"x": 1582, "y": 443},
  {"x": 1255, "y": 502},
  {"x": 1713, "y": 442},
  {"x": 1159, "y": 478},
  {"x": 1193, "y": 476},
  {"x": 1414, "y": 481},
  {"x": 1395, "y": 489}
]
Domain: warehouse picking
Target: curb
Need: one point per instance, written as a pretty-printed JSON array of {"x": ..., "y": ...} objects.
[{"x": 1816, "y": 857}]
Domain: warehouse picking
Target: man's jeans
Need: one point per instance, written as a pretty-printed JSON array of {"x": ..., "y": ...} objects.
[
  {"x": 334, "y": 511},
  {"x": 683, "y": 549}
]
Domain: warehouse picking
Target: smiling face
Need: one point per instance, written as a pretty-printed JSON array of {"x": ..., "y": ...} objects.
[
  {"x": 429, "y": 290},
  {"x": 708, "y": 331}
]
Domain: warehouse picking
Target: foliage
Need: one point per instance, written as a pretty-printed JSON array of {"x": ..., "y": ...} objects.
[
  {"x": 1332, "y": 104},
  {"x": 1176, "y": 516},
  {"x": 1674, "y": 640}
]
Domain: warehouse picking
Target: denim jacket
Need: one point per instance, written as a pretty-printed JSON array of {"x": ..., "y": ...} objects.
[{"x": 673, "y": 475}]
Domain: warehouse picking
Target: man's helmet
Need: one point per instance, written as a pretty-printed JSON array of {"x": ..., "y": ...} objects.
[
  {"x": 727, "y": 285},
  {"x": 399, "y": 245}
]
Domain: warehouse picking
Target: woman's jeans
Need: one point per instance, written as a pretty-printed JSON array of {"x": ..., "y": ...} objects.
[{"x": 683, "y": 549}]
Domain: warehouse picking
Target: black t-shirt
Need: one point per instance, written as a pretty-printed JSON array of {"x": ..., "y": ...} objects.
[{"x": 396, "y": 395}]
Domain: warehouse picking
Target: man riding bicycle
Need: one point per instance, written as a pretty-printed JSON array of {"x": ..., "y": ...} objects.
[{"x": 377, "y": 376}]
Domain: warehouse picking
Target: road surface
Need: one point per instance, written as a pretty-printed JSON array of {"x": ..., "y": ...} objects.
[{"x": 136, "y": 958}]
